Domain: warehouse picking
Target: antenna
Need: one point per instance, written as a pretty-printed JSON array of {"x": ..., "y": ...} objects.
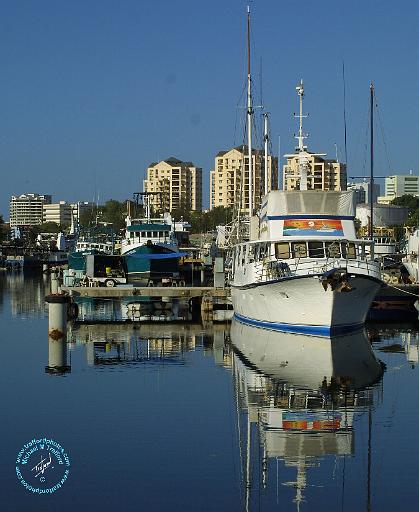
[
  {"x": 300, "y": 137},
  {"x": 302, "y": 158}
]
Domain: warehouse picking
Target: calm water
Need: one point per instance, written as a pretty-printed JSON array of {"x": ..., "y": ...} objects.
[{"x": 185, "y": 418}]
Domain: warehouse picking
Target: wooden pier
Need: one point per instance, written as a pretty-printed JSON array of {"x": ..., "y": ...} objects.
[{"x": 208, "y": 302}]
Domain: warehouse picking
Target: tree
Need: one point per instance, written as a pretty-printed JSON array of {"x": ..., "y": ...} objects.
[
  {"x": 3, "y": 230},
  {"x": 412, "y": 204},
  {"x": 114, "y": 212},
  {"x": 49, "y": 227}
]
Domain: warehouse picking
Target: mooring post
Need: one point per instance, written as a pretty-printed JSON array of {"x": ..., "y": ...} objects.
[
  {"x": 175, "y": 308},
  {"x": 219, "y": 274},
  {"x": 57, "y": 333},
  {"x": 54, "y": 282}
]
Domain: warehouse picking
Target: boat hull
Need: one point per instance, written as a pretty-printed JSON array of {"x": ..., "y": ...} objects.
[
  {"x": 301, "y": 305},
  {"x": 142, "y": 269}
]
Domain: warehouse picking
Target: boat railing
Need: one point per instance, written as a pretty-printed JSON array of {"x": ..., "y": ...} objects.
[{"x": 276, "y": 269}]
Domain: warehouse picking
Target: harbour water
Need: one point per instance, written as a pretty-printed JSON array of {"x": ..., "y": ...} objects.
[{"x": 208, "y": 418}]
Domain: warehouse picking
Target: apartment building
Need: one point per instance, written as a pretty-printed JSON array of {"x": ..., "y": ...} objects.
[
  {"x": 175, "y": 184},
  {"x": 322, "y": 174},
  {"x": 227, "y": 186},
  {"x": 27, "y": 209}
]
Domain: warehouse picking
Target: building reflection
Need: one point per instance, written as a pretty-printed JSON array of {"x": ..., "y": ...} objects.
[
  {"x": 397, "y": 338},
  {"x": 116, "y": 344},
  {"x": 297, "y": 397},
  {"x": 26, "y": 292}
]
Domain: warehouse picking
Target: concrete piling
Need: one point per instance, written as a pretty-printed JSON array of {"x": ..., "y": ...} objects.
[
  {"x": 57, "y": 333},
  {"x": 54, "y": 282}
]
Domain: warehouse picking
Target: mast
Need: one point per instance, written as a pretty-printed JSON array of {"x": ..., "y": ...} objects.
[
  {"x": 249, "y": 116},
  {"x": 300, "y": 137},
  {"x": 266, "y": 139},
  {"x": 371, "y": 194}
]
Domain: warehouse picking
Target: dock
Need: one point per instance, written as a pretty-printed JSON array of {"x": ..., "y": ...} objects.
[
  {"x": 153, "y": 303},
  {"x": 147, "y": 291}
]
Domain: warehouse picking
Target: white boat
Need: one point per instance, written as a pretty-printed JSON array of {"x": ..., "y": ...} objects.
[
  {"x": 308, "y": 284},
  {"x": 306, "y": 272}
]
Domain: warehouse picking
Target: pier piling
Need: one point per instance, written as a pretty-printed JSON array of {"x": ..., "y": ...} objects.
[{"x": 57, "y": 333}]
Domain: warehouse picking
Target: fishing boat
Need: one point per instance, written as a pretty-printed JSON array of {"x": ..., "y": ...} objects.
[
  {"x": 305, "y": 271},
  {"x": 150, "y": 247}
]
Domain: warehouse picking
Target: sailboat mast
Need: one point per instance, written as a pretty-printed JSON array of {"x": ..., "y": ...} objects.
[
  {"x": 266, "y": 139},
  {"x": 371, "y": 194},
  {"x": 249, "y": 116}
]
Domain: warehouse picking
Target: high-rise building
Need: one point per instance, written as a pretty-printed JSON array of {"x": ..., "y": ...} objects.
[
  {"x": 176, "y": 185},
  {"x": 226, "y": 185},
  {"x": 401, "y": 184},
  {"x": 27, "y": 209},
  {"x": 322, "y": 174}
]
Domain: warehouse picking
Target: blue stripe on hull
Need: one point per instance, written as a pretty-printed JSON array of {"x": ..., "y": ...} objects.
[
  {"x": 310, "y": 216},
  {"x": 309, "y": 330}
]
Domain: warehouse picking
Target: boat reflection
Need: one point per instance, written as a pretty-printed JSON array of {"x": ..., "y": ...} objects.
[{"x": 299, "y": 395}]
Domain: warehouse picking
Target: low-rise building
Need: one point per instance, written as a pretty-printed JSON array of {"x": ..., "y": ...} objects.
[
  {"x": 362, "y": 192},
  {"x": 402, "y": 184},
  {"x": 60, "y": 213}
]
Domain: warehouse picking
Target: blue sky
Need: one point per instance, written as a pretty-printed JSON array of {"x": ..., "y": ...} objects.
[{"x": 93, "y": 91}]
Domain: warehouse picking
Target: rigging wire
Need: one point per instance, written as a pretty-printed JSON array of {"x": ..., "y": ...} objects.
[
  {"x": 381, "y": 126},
  {"x": 366, "y": 141},
  {"x": 344, "y": 113}
]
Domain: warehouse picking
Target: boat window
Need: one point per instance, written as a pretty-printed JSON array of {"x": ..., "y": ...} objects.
[
  {"x": 299, "y": 249},
  {"x": 262, "y": 251},
  {"x": 256, "y": 252},
  {"x": 243, "y": 254},
  {"x": 251, "y": 253},
  {"x": 315, "y": 249},
  {"x": 333, "y": 249},
  {"x": 351, "y": 252},
  {"x": 149, "y": 234},
  {"x": 282, "y": 250}
]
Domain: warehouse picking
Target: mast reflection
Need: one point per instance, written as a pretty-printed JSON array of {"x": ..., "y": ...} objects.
[{"x": 300, "y": 394}]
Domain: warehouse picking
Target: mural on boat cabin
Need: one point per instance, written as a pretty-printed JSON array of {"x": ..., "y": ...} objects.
[{"x": 312, "y": 227}]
